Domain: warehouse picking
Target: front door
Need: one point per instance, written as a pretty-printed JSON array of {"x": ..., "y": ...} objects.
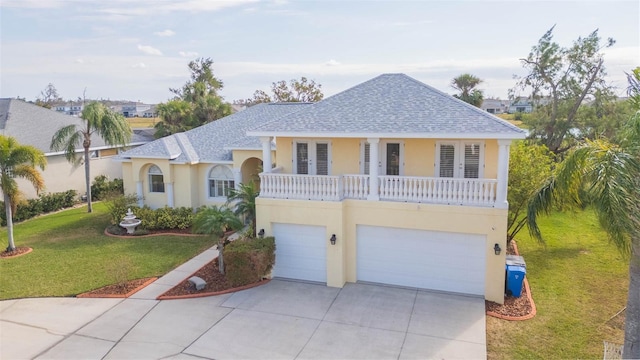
[
  {"x": 391, "y": 155},
  {"x": 311, "y": 158}
]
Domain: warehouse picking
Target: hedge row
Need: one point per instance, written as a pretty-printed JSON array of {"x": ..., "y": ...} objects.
[
  {"x": 45, "y": 203},
  {"x": 249, "y": 260}
]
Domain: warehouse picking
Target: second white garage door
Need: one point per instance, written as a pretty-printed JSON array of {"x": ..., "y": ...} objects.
[
  {"x": 301, "y": 252},
  {"x": 423, "y": 259}
]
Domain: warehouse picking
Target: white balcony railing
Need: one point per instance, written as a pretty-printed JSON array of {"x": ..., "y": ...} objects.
[{"x": 452, "y": 191}]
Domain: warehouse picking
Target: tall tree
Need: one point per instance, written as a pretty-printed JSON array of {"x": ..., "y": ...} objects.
[
  {"x": 48, "y": 97},
  {"x": 466, "y": 84},
  {"x": 608, "y": 175},
  {"x": 96, "y": 119},
  {"x": 17, "y": 161},
  {"x": 303, "y": 90},
  {"x": 530, "y": 166},
  {"x": 196, "y": 103},
  {"x": 564, "y": 77}
]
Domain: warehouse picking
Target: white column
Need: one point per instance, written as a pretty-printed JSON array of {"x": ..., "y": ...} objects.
[
  {"x": 169, "y": 187},
  {"x": 237, "y": 178},
  {"x": 373, "y": 169},
  {"x": 266, "y": 153},
  {"x": 140, "y": 193},
  {"x": 503, "y": 174}
]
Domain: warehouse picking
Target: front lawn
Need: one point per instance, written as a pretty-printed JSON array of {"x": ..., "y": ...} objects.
[
  {"x": 72, "y": 255},
  {"x": 578, "y": 282}
]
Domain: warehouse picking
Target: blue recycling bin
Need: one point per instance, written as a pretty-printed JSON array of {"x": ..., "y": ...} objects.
[{"x": 515, "y": 277}]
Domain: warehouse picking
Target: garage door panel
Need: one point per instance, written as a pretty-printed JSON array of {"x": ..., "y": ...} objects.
[
  {"x": 300, "y": 252},
  {"x": 423, "y": 259}
]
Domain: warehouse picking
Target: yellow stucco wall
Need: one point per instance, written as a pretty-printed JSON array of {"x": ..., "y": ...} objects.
[
  {"x": 342, "y": 218},
  {"x": 419, "y": 156}
]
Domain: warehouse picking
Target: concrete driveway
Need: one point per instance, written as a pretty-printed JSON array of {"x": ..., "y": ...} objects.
[{"x": 278, "y": 320}]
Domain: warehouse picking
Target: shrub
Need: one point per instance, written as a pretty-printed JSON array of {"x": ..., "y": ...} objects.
[
  {"x": 249, "y": 260},
  {"x": 164, "y": 218},
  {"x": 102, "y": 188},
  {"x": 117, "y": 207},
  {"x": 45, "y": 203}
]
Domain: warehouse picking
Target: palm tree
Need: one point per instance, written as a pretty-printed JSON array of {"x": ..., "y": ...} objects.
[
  {"x": 18, "y": 161},
  {"x": 466, "y": 84},
  {"x": 608, "y": 175},
  {"x": 244, "y": 200},
  {"x": 215, "y": 221},
  {"x": 97, "y": 119}
]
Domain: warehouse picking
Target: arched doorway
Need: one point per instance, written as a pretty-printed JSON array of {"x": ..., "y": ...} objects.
[{"x": 250, "y": 170}]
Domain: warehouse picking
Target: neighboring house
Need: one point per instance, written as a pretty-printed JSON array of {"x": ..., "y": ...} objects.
[
  {"x": 495, "y": 106},
  {"x": 391, "y": 181},
  {"x": 151, "y": 112},
  {"x": 73, "y": 108},
  {"x": 136, "y": 109},
  {"x": 521, "y": 105},
  {"x": 34, "y": 125},
  {"x": 200, "y": 166}
]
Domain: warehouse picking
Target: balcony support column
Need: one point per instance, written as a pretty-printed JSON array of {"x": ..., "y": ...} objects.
[
  {"x": 503, "y": 174},
  {"x": 374, "y": 159},
  {"x": 266, "y": 153}
]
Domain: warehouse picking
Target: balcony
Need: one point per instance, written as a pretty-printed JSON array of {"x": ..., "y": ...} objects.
[{"x": 448, "y": 191}]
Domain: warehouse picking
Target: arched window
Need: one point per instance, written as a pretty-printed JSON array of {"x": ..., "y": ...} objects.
[
  {"x": 220, "y": 181},
  {"x": 156, "y": 180}
]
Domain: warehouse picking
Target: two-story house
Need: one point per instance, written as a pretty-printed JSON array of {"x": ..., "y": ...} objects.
[{"x": 391, "y": 181}]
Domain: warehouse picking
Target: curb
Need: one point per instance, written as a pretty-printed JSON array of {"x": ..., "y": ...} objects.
[
  {"x": 528, "y": 316},
  {"x": 111, "y": 296}
]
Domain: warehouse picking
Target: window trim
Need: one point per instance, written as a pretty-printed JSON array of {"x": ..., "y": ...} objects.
[
  {"x": 311, "y": 155},
  {"x": 150, "y": 176},
  {"x": 458, "y": 169},
  {"x": 209, "y": 178}
]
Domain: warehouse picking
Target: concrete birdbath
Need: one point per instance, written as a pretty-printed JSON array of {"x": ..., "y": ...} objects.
[{"x": 130, "y": 222}]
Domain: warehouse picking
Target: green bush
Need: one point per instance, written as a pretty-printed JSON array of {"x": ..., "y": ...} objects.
[
  {"x": 102, "y": 188},
  {"x": 117, "y": 207},
  {"x": 159, "y": 219},
  {"x": 249, "y": 260},
  {"x": 45, "y": 203}
]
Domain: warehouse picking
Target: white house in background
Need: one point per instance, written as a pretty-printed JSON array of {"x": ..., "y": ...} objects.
[
  {"x": 495, "y": 106},
  {"x": 34, "y": 125}
]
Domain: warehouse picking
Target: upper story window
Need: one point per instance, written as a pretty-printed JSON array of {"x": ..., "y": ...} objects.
[
  {"x": 156, "y": 180},
  {"x": 220, "y": 181},
  {"x": 460, "y": 159},
  {"x": 390, "y": 158}
]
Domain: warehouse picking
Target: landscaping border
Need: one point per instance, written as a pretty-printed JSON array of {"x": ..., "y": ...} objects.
[
  {"x": 227, "y": 291},
  {"x": 149, "y": 235},
  {"x": 529, "y": 297},
  {"x": 16, "y": 256}
]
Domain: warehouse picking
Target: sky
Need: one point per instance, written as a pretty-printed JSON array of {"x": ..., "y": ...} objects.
[{"x": 138, "y": 49}]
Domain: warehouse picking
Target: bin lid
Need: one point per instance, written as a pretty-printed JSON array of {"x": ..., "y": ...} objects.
[
  {"x": 516, "y": 260},
  {"x": 516, "y": 269}
]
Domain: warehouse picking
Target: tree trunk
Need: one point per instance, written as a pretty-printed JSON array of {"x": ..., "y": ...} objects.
[
  {"x": 87, "y": 177},
  {"x": 220, "y": 255},
  {"x": 9, "y": 213},
  {"x": 632, "y": 314}
]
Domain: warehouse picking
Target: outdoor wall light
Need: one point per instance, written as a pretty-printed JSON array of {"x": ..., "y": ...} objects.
[
  {"x": 497, "y": 249},
  {"x": 261, "y": 233},
  {"x": 333, "y": 239}
]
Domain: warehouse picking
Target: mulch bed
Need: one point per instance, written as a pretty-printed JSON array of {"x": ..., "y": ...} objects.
[
  {"x": 119, "y": 290},
  {"x": 210, "y": 273},
  {"x": 20, "y": 250}
]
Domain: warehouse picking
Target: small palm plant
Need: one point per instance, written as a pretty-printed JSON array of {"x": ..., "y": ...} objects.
[
  {"x": 244, "y": 202},
  {"x": 216, "y": 221}
]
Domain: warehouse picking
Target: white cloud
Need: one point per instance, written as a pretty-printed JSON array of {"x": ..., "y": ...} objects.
[
  {"x": 33, "y": 4},
  {"x": 165, "y": 33},
  {"x": 80, "y": 60},
  {"x": 147, "y": 49},
  {"x": 149, "y": 7},
  {"x": 332, "y": 63},
  {"x": 188, "y": 53},
  {"x": 139, "y": 65}
]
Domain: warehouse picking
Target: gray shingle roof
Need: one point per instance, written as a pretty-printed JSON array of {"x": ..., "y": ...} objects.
[
  {"x": 391, "y": 104},
  {"x": 34, "y": 125},
  {"x": 213, "y": 142}
]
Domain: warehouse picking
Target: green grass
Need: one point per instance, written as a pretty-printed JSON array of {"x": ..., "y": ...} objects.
[
  {"x": 71, "y": 255},
  {"x": 578, "y": 282},
  {"x": 143, "y": 122}
]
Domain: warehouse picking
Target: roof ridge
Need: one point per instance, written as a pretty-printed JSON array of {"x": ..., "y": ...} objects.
[{"x": 187, "y": 148}]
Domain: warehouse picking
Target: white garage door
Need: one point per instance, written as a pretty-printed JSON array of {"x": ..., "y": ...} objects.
[
  {"x": 423, "y": 259},
  {"x": 301, "y": 252}
]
